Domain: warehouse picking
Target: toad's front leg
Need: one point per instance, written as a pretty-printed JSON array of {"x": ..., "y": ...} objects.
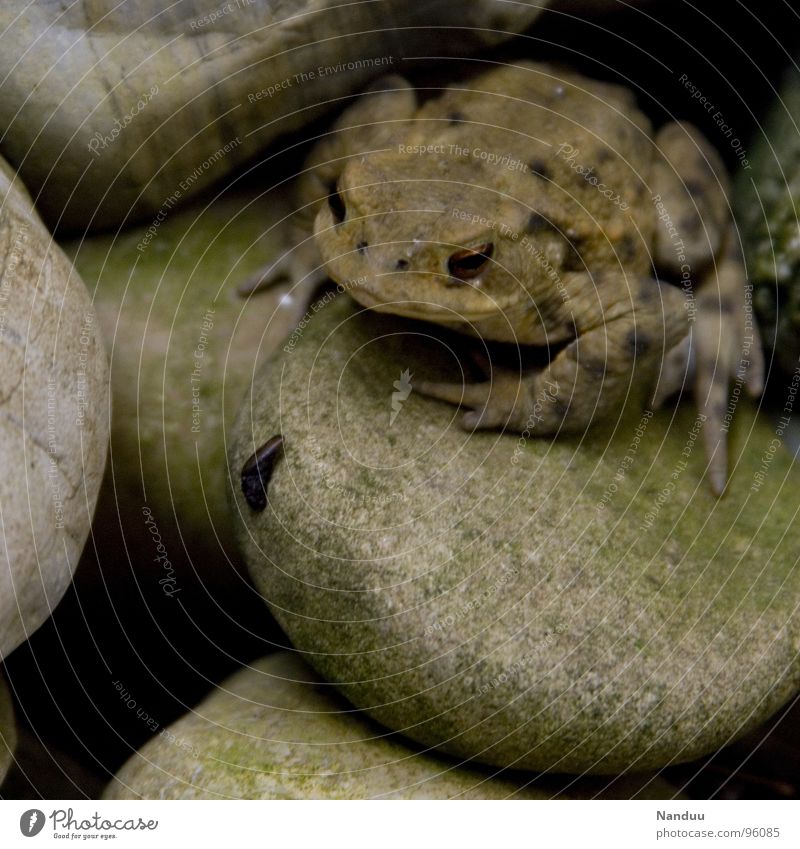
[
  {"x": 622, "y": 327},
  {"x": 360, "y": 128}
]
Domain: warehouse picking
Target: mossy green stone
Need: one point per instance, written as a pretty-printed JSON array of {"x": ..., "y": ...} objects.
[
  {"x": 183, "y": 345},
  {"x": 575, "y": 605},
  {"x": 766, "y": 202},
  {"x": 274, "y": 731}
]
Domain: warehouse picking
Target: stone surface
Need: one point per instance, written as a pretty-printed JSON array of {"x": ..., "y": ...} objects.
[
  {"x": 183, "y": 345},
  {"x": 8, "y": 731},
  {"x": 161, "y": 596},
  {"x": 574, "y": 605},
  {"x": 273, "y": 731},
  {"x": 117, "y": 111},
  {"x": 766, "y": 209},
  {"x": 53, "y": 416}
]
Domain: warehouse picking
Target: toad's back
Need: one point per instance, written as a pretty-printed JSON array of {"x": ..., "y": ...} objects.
[{"x": 569, "y": 147}]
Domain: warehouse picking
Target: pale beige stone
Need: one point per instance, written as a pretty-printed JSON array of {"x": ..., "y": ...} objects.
[{"x": 53, "y": 416}]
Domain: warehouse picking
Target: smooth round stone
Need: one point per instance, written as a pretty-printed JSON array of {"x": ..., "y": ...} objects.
[
  {"x": 119, "y": 111},
  {"x": 274, "y": 731},
  {"x": 573, "y": 604},
  {"x": 162, "y": 593},
  {"x": 183, "y": 344},
  {"x": 53, "y": 416},
  {"x": 8, "y": 730}
]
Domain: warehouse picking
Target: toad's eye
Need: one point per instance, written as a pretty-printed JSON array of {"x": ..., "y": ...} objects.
[
  {"x": 469, "y": 263},
  {"x": 336, "y": 203}
]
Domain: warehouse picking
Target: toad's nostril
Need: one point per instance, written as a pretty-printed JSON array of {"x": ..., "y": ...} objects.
[
  {"x": 402, "y": 264},
  {"x": 361, "y": 247}
]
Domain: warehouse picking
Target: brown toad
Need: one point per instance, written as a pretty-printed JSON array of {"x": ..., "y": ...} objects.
[{"x": 534, "y": 206}]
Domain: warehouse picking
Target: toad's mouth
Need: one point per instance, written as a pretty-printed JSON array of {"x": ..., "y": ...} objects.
[{"x": 420, "y": 310}]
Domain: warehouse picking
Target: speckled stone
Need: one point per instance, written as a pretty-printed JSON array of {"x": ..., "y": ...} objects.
[
  {"x": 574, "y": 605},
  {"x": 765, "y": 200},
  {"x": 274, "y": 731}
]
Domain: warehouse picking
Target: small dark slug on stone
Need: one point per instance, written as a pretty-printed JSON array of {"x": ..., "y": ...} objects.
[{"x": 257, "y": 471}]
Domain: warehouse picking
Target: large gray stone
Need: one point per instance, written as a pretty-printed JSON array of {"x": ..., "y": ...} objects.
[
  {"x": 570, "y": 605},
  {"x": 274, "y": 731},
  {"x": 53, "y": 416},
  {"x": 115, "y": 111}
]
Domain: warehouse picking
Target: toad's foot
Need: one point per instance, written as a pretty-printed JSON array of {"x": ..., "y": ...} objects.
[
  {"x": 301, "y": 269},
  {"x": 296, "y": 266},
  {"x": 499, "y": 402},
  {"x": 728, "y": 351}
]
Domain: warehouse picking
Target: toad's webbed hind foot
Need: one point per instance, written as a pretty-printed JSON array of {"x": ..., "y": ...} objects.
[{"x": 690, "y": 181}]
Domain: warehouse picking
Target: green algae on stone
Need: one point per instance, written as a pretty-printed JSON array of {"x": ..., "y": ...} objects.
[
  {"x": 183, "y": 347},
  {"x": 274, "y": 731},
  {"x": 573, "y": 605},
  {"x": 766, "y": 202}
]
